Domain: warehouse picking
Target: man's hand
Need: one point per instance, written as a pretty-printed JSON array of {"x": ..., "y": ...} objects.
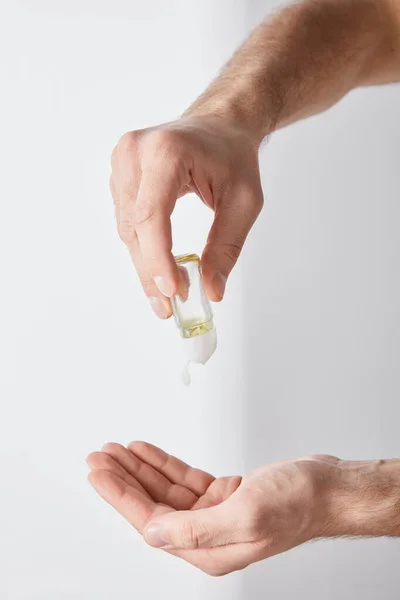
[
  {"x": 224, "y": 524},
  {"x": 153, "y": 167},
  {"x": 218, "y": 525},
  {"x": 297, "y": 63}
]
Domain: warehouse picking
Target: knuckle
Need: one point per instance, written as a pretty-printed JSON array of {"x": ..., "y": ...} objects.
[
  {"x": 232, "y": 250},
  {"x": 107, "y": 460},
  {"x": 192, "y": 534},
  {"x": 143, "y": 214},
  {"x": 148, "y": 286},
  {"x": 162, "y": 140},
  {"x": 128, "y": 141},
  {"x": 189, "y": 536},
  {"x": 166, "y": 146},
  {"x": 129, "y": 188},
  {"x": 126, "y": 231}
]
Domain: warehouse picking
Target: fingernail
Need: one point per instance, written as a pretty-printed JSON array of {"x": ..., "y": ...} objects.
[
  {"x": 219, "y": 284},
  {"x": 164, "y": 286},
  {"x": 158, "y": 307},
  {"x": 155, "y": 536}
]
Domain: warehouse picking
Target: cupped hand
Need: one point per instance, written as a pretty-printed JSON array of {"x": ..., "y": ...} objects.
[
  {"x": 217, "y": 524},
  {"x": 153, "y": 167}
]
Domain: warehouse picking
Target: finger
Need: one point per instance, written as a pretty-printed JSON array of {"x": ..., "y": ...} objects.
[
  {"x": 136, "y": 508},
  {"x": 158, "y": 191},
  {"x": 232, "y": 223},
  {"x": 219, "y": 491},
  {"x": 124, "y": 184},
  {"x": 159, "y": 303},
  {"x": 174, "y": 469},
  {"x": 104, "y": 462},
  {"x": 158, "y": 487},
  {"x": 205, "y": 528}
]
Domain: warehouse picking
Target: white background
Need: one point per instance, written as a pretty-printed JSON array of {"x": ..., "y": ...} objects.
[{"x": 309, "y": 332}]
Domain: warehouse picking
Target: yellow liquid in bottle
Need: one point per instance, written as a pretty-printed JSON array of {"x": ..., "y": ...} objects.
[{"x": 191, "y": 329}]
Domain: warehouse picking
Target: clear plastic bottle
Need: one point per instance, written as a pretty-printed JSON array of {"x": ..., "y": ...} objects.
[{"x": 192, "y": 311}]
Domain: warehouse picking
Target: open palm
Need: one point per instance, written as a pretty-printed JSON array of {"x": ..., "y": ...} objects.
[
  {"x": 219, "y": 525},
  {"x": 143, "y": 482}
]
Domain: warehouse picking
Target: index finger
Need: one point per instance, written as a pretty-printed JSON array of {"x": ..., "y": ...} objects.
[{"x": 158, "y": 191}]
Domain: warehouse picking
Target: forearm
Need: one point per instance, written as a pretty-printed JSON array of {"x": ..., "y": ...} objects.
[
  {"x": 303, "y": 60},
  {"x": 362, "y": 499}
]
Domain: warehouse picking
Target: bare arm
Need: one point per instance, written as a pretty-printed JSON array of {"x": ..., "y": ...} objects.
[
  {"x": 295, "y": 64},
  {"x": 363, "y": 499},
  {"x": 303, "y": 60}
]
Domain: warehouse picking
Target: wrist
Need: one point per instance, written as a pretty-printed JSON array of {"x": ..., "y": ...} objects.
[
  {"x": 361, "y": 499},
  {"x": 231, "y": 111}
]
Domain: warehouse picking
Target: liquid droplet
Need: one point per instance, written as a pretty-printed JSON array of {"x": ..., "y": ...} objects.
[{"x": 185, "y": 375}]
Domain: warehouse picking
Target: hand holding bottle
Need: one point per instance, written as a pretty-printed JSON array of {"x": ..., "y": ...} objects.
[{"x": 153, "y": 167}]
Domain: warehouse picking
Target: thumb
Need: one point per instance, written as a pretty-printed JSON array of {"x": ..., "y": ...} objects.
[
  {"x": 190, "y": 530},
  {"x": 232, "y": 223}
]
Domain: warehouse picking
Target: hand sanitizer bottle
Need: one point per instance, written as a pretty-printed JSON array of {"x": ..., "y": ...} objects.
[{"x": 193, "y": 314}]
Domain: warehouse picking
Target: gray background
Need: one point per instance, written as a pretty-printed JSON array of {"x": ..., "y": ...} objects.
[{"x": 309, "y": 365}]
